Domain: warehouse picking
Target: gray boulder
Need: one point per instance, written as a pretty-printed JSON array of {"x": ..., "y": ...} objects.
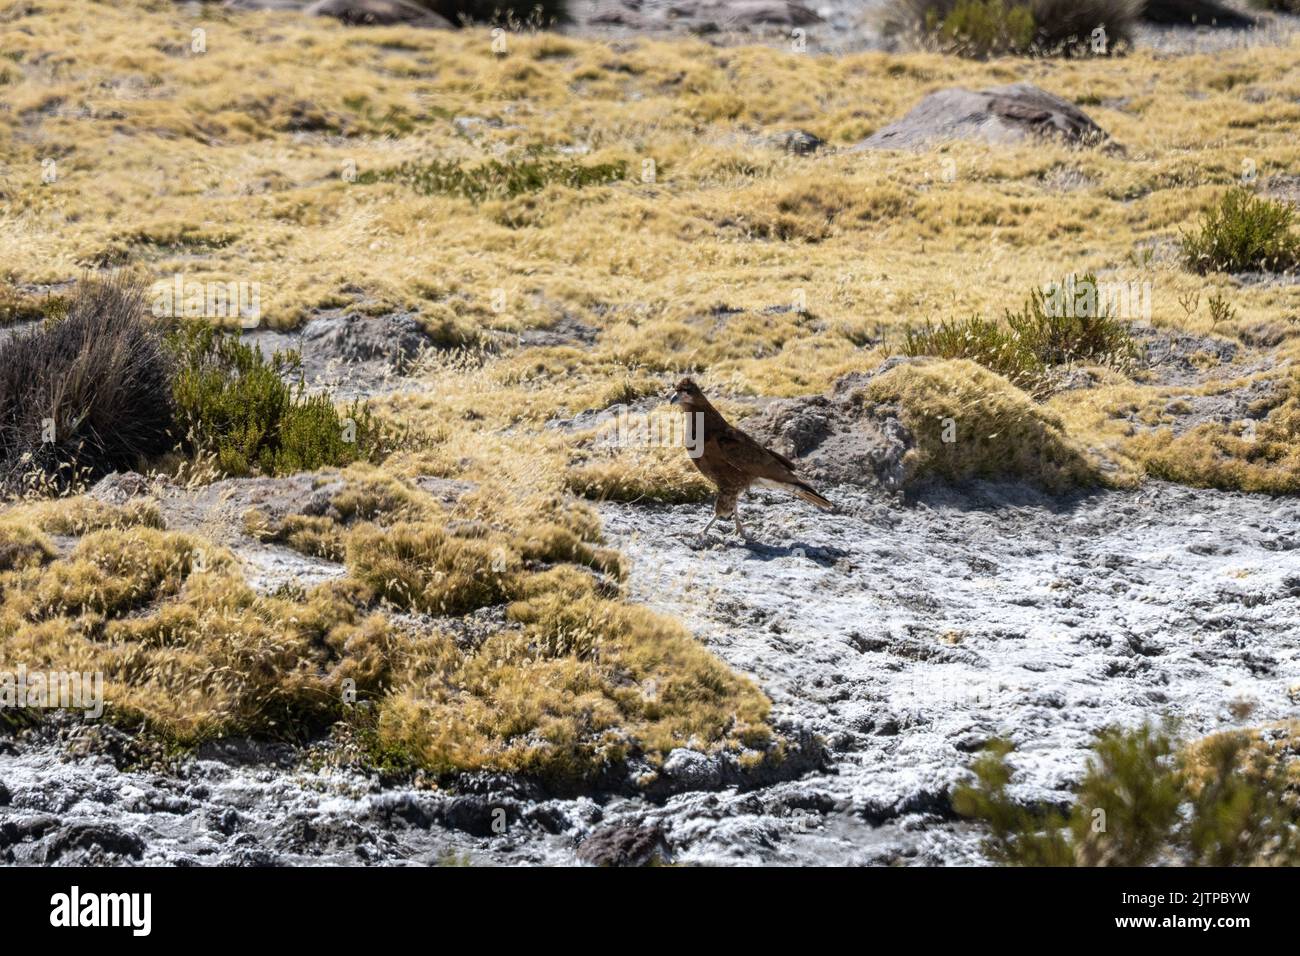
[
  {"x": 624, "y": 844},
  {"x": 1001, "y": 114},
  {"x": 839, "y": 437},
  {"x": 351, "y": 337}
]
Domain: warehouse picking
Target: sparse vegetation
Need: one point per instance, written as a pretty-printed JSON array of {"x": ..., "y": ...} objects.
[
  {"x": 1041, "y": 335},
  {"x": 1229, "y": 800},
  {"x": 495, "y": 178},
  {"x": 1243, "y": 232},
  {"x": 985, "y": 28},
  {"x": 1258, "y": 454}
]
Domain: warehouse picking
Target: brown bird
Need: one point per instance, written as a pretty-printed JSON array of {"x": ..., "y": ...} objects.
[{"x": 731, "y": 459}]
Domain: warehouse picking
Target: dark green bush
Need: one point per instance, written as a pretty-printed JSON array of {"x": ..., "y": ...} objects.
[
  {"x": 237, "y": 405},
  {"x": 496, "y": 179},
  {"x": 1142, "y": 800},
  {"x": 1241, "y": 233}
]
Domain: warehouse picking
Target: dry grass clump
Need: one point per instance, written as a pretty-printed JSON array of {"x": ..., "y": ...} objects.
[
  {"x": 22, "y": 546},
  {"x": 574, "y": 688},
  {"x": 109, "y": 573},
  {"x": 87, "y": 393},
  {"x": 426, "y": 567},
  {"x": 638, "y": 474},
  {"x": 80, "y": 515},
  {"x": 313, "y": 535},
  {"x": 971, "y": 423},
  {"x": 1250, "y": 455}
]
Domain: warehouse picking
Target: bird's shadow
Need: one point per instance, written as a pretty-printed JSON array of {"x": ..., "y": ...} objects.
[{"x": 817, "y": 553}]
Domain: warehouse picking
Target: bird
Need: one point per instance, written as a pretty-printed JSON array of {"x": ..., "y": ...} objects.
[{"x": 732, "y": 460}]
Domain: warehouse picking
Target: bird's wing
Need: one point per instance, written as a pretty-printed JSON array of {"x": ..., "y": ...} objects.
[{"x": 748, "y": 456}]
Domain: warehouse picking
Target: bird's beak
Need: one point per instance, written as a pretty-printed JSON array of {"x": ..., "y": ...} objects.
[{"x": 676, "y": 397}]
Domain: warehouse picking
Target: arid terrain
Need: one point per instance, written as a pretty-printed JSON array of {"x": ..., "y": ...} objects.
[{"x": 496, "y": 636}]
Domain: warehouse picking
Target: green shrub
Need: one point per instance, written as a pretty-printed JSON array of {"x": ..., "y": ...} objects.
[
  {"x": 991, "y": 344},
  {"x": 237, "y": 405},
  {"x": 1224, "y": 801},
  {"x": 1075, "y": 322},
  {"x": 983, "y": 28},
  {"x": 496, "y": 179},
  {"x": 1243, "y": 232}
]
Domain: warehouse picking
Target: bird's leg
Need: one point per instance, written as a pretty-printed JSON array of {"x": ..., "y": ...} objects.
[
  {"x": 740, "y": 530},
  {"x": 708, "y": 526}
]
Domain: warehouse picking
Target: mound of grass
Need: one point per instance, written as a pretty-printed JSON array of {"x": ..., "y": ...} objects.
[
  {"x": 425, "y": 567},
  {"x": 85, "y": 394},
  {"x": 1045, "y": 332},
  {"x": 968, "y": 422},
  {"x": 23, "y": 547},
  {"x": 496, "y": 178},
  {"x": 1229, "y": 800},
  {"x": 985, "y": 28},
  {"x": 575, "y": 686},
  {"x": 1256, "y": 456},
  {"x": 639, "y": 474},
  {"x": 1243, "y": 232},
  {"x": 236, "y": 404}
]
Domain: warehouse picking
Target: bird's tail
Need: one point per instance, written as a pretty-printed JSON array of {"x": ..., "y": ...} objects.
[{"x": 800, "y": 490}]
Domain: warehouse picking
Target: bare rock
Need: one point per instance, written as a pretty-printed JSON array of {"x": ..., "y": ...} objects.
[
  {"x": 348, "y": 337},
  {"x": 119, "y": 487},
  {"x": 624, "y": 845},
  {"x": 999, "y": 115},
  {"x": 379, "y": 13},
  {"x": 800, "y": 142},
  {"x": 838, "y": 438},
  {"x": 92, "y": 842}
]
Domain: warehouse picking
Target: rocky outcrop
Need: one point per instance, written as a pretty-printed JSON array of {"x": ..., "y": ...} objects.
[
  {"x": 624, "y": 845},
  {"x": 999, "y": 115},
  {"x": 837, "y": 438}
]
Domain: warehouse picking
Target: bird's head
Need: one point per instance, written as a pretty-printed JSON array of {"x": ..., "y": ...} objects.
[{"x": 687, "y": 394}]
